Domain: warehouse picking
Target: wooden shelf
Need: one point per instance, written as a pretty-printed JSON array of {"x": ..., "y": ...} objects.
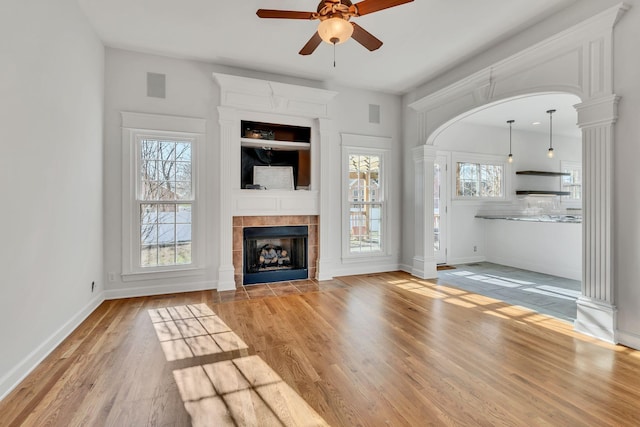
[
  {"x": 542, "y": 193},
  {"x": 274, "y": 144},
  {"x": 543, "y": 173}
]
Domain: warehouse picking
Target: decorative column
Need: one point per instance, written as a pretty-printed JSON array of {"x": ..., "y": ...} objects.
[
  {"x": 597, "y": 312},
  {"x": 324, "y": 266},
  {"x": 229, "y": 129},
  {"x": 424, "y": 261}
]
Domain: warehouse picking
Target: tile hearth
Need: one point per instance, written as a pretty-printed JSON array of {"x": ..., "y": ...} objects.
[{"x": 277, "y": 289}]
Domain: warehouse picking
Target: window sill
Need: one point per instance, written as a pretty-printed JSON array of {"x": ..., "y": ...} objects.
[{"x": 161, "y": 274}]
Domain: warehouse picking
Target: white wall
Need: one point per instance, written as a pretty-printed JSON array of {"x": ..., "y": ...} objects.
[
  {"x": 467, "y": 238},
  {"x": 192, "y": 91},
  {"x": 51, "y": 104},
  {"x": 626, "y": 152},
  {"x": 350, "y": 114}
]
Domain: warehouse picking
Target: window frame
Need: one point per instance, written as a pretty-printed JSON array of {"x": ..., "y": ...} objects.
[
  {"x": 567, "y": 165},
  {"x": 381, "y": 199},
  {"x": 481, "y": 159},
  {"x": 136, "y": 128}
]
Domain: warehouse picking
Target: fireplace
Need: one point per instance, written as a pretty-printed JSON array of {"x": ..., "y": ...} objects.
[{"x": 275, "y": 254}]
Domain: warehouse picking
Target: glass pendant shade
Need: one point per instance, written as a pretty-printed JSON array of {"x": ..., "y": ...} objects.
[{"x": 335, "y": 30}]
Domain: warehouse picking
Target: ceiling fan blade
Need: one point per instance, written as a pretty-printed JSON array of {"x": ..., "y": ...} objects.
[
  {"x": 284, "y": 14},
  {"x": 365, "y": 38},
  {"x": 369, "y": 6},
  {"x": 311, "y": 45}
]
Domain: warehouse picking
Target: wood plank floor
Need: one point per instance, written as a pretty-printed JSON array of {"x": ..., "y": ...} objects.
[{"x": 369, "y": 350}]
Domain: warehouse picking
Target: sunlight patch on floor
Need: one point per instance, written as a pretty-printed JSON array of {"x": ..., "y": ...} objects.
[{"x": 241, "y": 391}]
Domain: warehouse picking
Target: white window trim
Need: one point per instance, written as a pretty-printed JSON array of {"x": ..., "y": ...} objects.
[
  {"x": 486, "y": 159},
  {"x": 135, "y": 126},
  {"x": 571, "y": 203},
  {"x": 360, "y": 144}
]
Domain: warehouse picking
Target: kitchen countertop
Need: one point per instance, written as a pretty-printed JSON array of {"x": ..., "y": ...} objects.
[{"x": 563, "y": 218}]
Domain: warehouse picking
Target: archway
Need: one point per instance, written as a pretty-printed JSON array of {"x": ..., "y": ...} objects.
[
  {"x": 577, "y": 61},
  {"x": 509, "y": 219}
]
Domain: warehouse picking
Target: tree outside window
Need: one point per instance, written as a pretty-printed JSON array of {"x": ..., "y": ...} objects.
[
  {"x": 165, "y": 197},
  {"x": 477, "y": 180}
]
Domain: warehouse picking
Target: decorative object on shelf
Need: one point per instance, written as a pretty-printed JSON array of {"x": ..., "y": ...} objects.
[
  {"x": 259, "y": 134},
  {"x": 550, "y": 152},
  {"x": 334, "y": 16},
  {"x": 274, "y": 177},
  {"x": 510, "y": 158}
]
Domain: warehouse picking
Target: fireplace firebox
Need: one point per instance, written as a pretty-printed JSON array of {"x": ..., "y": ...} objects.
[{"x": 275, "y": 254}]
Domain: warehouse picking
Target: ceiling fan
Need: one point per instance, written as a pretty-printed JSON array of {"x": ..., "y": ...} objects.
[{"x": 334, "y": 16}]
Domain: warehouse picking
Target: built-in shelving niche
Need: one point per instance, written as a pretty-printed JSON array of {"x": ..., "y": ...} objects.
[{"x": 272, "y": 144}]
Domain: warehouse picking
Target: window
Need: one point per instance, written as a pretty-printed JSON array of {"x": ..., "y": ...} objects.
[
  {"x": 479, "y": 180},
  {"x": 165, "y": 201},
  {"x": 365, "y": 212},
  {"x": 161, "y": 209},
  {"x": 573, "y": 182}
]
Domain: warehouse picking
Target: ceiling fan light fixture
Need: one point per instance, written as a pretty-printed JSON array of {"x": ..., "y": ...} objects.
[{"x": 335, "y": 30}]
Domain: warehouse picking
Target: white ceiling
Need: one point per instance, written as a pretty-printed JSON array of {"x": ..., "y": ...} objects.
[
  {"x": 421, "y": 39},
  {"x": 528, "y": 110}
]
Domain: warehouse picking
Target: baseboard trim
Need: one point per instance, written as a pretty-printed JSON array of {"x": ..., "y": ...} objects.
[
  {"x": 12, "y": 379},
  {"x": 405, "y": 267},
  {"x": 145, "y": 291},
  {"x": 597, "y": 319},
  {"x": 628, "y": 339},
  {"x": 367, "y": 268}
]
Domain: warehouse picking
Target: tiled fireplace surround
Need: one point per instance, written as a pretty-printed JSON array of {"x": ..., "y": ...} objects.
[{"x": 240, "y": 222}]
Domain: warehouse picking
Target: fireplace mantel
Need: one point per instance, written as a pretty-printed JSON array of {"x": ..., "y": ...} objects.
[{"x": 260, "y": 100}]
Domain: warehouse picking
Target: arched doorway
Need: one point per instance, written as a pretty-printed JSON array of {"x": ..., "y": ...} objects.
[
  {"x": 577, "y": 61},
  {"x": 513, "y": 229}
]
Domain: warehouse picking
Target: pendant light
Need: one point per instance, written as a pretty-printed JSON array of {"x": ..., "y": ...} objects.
[
  {"x": 510, "y": 158},
  {"x": 550, "y": 152}
]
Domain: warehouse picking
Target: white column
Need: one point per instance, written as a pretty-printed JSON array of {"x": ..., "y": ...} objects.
[
  {"x": 229, "y": 129},
  {"x": 424, "y": 261},
  {"x": 597, "y": 312},
  {"x": 328, "y": 167}
]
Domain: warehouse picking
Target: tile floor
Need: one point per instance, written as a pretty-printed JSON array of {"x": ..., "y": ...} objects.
[
  {"x": 277, "y": 289},
  {"x": 551, "y": 295}
]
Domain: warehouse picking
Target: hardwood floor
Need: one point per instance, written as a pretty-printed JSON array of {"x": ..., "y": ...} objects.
[{"x": 370, "y": 350}]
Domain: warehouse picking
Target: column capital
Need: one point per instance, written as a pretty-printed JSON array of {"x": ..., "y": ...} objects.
[
  {"x": 424, "y": 153},
  {"x": 602, "y": 111}
]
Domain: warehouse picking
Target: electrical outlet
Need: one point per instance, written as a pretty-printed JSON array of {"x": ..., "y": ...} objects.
[
  {"x": 93, "y": 285},
  {"x": 111, "y": 276},
  {"x": 475, "y": 249}
]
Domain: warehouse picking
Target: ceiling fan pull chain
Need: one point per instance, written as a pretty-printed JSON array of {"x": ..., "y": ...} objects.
[{"x": 334, "y": 55}]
